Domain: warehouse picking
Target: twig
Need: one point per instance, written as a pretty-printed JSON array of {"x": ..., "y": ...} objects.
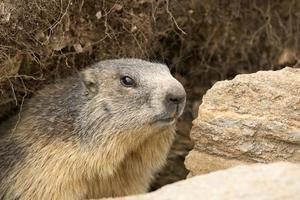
[
  {"x": 62, "y": 16},
  {"x": 13, "y": 91},
  {"x": 22, "y": 76},
  {"x": 172, "y": 17},
  {"x": 21, "y": 105}
]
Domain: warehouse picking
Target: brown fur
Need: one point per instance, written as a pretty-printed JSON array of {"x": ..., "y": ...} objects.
[{"x": 90, "y": 174}]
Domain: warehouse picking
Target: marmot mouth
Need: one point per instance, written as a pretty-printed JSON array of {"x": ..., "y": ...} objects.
[{"x": 166, "y": 121}]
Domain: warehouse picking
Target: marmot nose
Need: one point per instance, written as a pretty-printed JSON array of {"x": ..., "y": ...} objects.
[{"x": 176, "y": 96}]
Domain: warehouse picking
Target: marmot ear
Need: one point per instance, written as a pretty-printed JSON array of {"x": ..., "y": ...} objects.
[{"x": 90, "y": 81}]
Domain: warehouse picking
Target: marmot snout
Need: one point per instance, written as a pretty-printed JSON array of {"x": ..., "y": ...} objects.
[{"x": 102, "y": 133}]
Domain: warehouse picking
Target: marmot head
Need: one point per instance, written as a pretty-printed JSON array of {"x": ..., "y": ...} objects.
[{"x": 131, "y": 94}]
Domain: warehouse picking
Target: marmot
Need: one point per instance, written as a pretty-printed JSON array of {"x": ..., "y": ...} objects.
[{"x": 101, "y": 133}]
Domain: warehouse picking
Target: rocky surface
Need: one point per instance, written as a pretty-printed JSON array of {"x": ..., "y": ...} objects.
[
  {"x": 252, "y": 118},
  {"x": 203, "y": 163},
  {"x": 258, "y": 181}
]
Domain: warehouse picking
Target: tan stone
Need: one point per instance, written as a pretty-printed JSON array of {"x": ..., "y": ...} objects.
[
  {"x": 275, "y": 181},
  {"x": 252, "y": 118},
  {"x": 203, "y": 163}
]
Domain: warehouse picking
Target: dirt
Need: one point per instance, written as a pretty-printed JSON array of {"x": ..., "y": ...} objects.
[{"x": 201, "y": 41}]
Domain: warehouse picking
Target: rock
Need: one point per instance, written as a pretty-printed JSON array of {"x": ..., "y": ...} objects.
[
  {"x": 252, "y": 118},
  {"x": 202, "y": 163},
  {"x": 258, "y": 181}
]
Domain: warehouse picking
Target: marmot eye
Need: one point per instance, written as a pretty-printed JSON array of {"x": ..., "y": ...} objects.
[{"x": 127, "y": 81}]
